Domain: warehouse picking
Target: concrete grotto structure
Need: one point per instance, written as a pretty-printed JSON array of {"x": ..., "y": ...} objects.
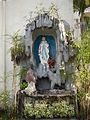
[{"x": 48, "y": 73}]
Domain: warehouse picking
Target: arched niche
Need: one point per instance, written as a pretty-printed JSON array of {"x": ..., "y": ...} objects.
[
  {"x": 50, "y": 35},
  {"x": 52, "y": 47}
]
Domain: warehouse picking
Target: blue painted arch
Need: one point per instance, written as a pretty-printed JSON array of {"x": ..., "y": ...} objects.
[{"x": 52, "y": 47}]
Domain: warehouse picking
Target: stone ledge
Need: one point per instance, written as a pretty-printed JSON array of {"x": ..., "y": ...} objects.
[{"x": 50, "y": 93}]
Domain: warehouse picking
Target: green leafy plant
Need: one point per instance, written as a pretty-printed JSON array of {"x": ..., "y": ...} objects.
[
  {"x": 23, "y": 72},
  {"x": 7, "y": 107},
  {"x": 82, "y": 74},
  {"x": 23, "y": 85},
  {"x": 63, "y": 109},
  {"x": 44, "y": 110},
  {"x": 29, "y": 111},
  {"x": 4, "y": 99},
  {"x": 17, "y": 48}
]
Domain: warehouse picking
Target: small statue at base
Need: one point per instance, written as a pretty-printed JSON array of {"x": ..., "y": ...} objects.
[{"x": 31, "y": 79}]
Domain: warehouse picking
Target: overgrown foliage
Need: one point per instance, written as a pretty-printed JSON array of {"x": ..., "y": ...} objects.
[
  {"x": 4, "y": 99},
  {"x": 82, "y": 75},
  {"x": 7, "y": 107},
  {"x": 44, "y": 110},
  {"x": 17, "y": 49}
]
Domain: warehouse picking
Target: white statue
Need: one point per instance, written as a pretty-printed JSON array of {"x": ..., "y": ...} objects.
[
  {"x": 55, "y": 78},
  {"x": 31, "y": 79},
  {"x": 41, "y": 72},
  {"x": 44, "y": 53}
]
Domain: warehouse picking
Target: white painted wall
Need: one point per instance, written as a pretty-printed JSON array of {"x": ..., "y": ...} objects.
[
  {"x": 1, "y": 49},
  {"x": 66, "y": 11},
  {"x": 16, "y": 10},
  {"x": 77, "y": 27}
]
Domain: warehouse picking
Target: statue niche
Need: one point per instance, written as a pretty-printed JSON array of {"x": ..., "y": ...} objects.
[{"x": 45, "y": 59}]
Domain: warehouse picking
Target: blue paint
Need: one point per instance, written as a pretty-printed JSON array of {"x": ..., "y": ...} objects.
[{"x": 52, "y": 47}]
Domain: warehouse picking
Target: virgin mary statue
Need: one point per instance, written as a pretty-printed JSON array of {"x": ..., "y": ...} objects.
[{"x": 44, "y": 53}]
